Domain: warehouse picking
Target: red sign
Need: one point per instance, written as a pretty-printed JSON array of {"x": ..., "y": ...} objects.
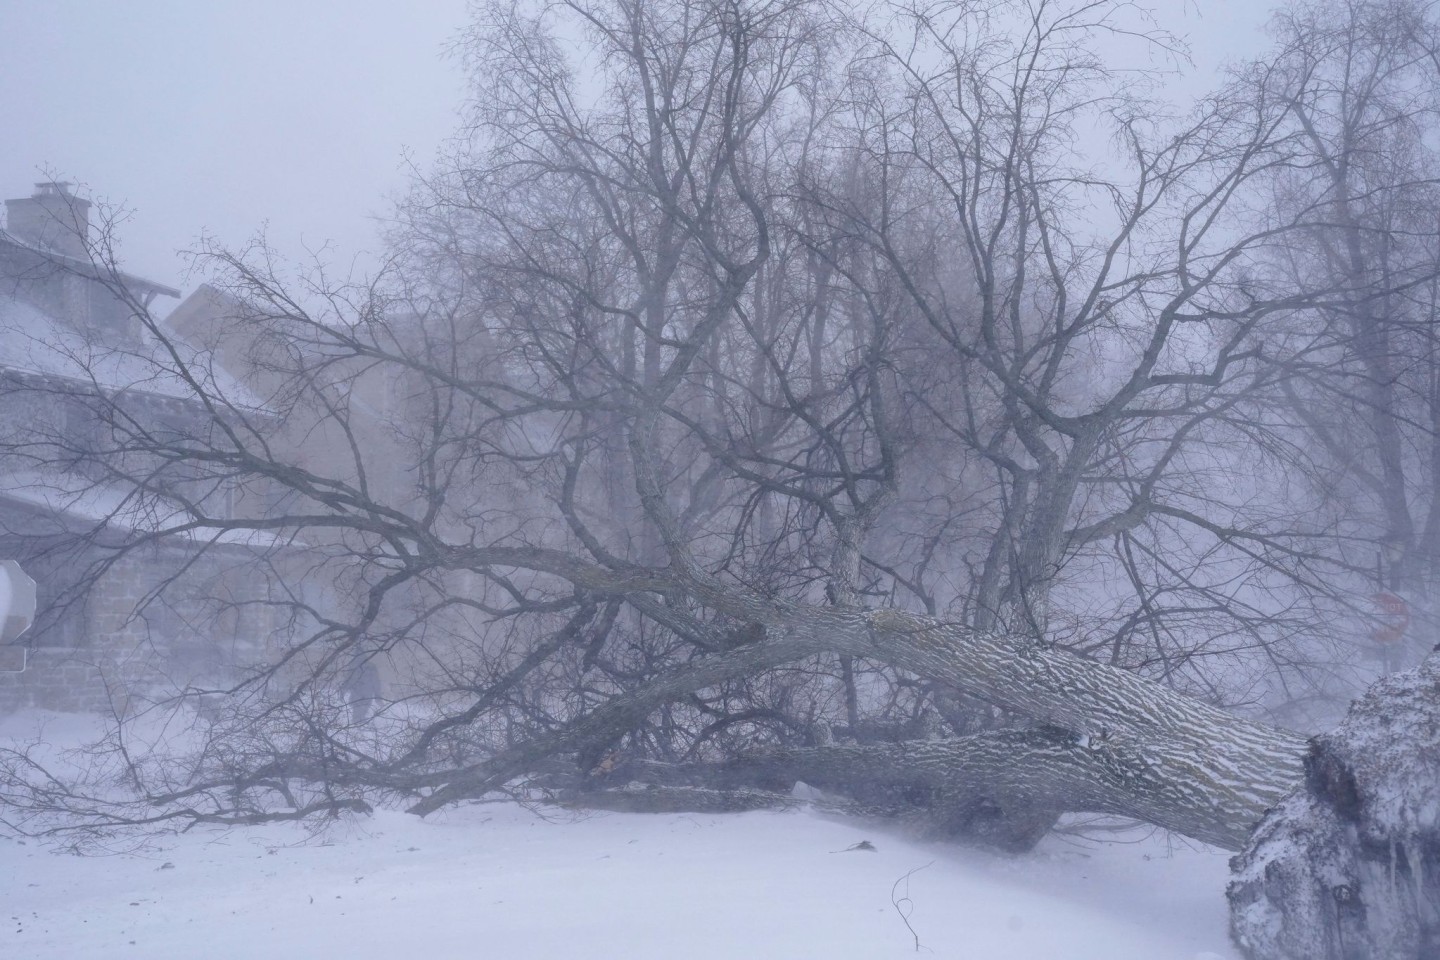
[{"x": 1394, "y": 615}]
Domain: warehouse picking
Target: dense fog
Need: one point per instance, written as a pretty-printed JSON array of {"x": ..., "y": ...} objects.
[{"x": 959, "y": 409}]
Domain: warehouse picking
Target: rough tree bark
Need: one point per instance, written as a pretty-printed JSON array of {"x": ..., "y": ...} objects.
[
  {"x": 1002, "y": 789},
  {"x": 1114, "y": 742}
]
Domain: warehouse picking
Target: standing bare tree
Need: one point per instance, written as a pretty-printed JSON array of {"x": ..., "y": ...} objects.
[{"x": 1358, "y": 83}]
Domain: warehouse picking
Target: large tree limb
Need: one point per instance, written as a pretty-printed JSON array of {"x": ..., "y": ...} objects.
[
  {"x": 1171, "y": 760},
  {"x": 1005, "y": 788}
]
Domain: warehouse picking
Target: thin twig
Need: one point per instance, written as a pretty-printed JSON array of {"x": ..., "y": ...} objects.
[{"x": 904, "y": 905}]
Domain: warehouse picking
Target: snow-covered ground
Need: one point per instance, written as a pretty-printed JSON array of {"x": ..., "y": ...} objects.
[{"x": 496, "y": 880}]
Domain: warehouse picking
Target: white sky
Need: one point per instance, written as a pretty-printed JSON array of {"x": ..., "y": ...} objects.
[{"x": 223, "y": 116}]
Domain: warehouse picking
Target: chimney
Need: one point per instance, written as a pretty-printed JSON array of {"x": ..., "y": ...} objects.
[{"x": 52, "y": 218}]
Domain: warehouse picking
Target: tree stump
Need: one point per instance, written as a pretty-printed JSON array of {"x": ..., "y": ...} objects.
[{"x": 1347, "y": 867}]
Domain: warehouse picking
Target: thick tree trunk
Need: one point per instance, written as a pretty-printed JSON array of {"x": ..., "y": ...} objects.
[
  {"x": 1123, "y": 744},
  {"x": 1004, "y": 789}
]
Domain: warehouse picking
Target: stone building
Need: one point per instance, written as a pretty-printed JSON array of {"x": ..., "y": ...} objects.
[
  {"x": 130, "y": 603},
  {"x": 183, "y": 610},
  {"x": 345, "y": 420},
  {"x": 360, "y": 412}
]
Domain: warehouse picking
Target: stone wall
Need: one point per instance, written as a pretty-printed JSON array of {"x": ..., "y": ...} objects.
[{"x": 160, "y": 619}]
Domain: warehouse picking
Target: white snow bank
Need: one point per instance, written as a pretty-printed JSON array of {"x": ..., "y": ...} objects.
[{"x": 498, "y": 881}]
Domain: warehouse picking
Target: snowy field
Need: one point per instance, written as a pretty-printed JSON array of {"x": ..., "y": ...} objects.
[{"x": 496, "y": 880}]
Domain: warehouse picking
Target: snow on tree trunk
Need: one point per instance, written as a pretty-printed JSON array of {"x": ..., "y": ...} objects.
[
  {"x": 1347, "y": 867},
  {"x": 1140, "y": 748},
  {"x": 1002, "y": 789}
]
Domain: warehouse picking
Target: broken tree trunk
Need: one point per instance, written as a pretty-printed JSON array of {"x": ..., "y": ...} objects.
[
  {"x": 1348, "y": 866},
  {"x": 1136, "y": 745},
  {"x": 1003, "y": 789}
]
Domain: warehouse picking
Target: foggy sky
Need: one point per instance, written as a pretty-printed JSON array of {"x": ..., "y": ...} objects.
[{"x": 226, "y": 116}]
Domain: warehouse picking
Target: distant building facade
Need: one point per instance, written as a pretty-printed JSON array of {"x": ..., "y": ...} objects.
[{"x": 78, "y": 369}]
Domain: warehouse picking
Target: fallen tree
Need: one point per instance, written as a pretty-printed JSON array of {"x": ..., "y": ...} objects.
[
  {"x": 1114, "y": 742},
  {"x": 655, "y": 374},
  {"x": 1005, "y": 789},
  {"x": 759, "y": 399}
]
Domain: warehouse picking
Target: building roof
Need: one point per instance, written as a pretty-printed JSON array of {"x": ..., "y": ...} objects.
[
  {"x": 33, "y": 341},
  {"x": 75, "y": 502},
  {"x": 86, "y": 268}
]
